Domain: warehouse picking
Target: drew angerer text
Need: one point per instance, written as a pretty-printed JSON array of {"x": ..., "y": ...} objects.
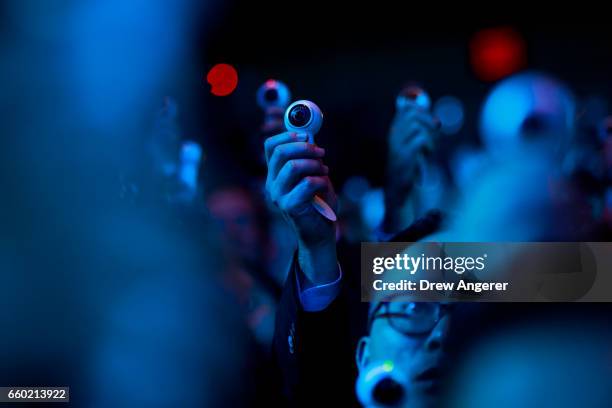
[{"x": 425, "y": 285}]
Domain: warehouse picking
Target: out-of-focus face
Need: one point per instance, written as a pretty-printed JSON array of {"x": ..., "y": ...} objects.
[
  {"x": 412, "y": 335},
  {"x": 527, "y": 106},
  {"x": 235, "y": 211}
]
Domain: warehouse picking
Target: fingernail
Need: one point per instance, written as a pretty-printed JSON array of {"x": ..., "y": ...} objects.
[
  {"x": 302, "y": 137},
  {"x": 320, "y": 151},
  {"x": 325, "y": 169}
]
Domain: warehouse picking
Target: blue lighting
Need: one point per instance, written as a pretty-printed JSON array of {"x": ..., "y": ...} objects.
[{"x": 449, "y": 110}]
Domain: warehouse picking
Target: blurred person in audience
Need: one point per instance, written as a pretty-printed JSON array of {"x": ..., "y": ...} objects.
[
  {"x": 171, "y": 339},
  {"x": 107, "y": 293},
  {"x": 272, "y": 98},
  {"x": 416, "y": 342},
  {"x": 524, "y": 109},
  {"x": 415, "y": 183},
  {"x": 317, "y": 325},
  {"x": 534, "y": 111},
  {"x": 245, "y": 241},
  {"x": 590, "y": 163},
  {"x": 173, "y": 163},
  {"x": 537, "y": 193},
  {"x": 255, "y": 237},
  {"x": 320, "y": 319},
  {"x": 529, "y": 108},
  {"x": 108, "y": 296}
]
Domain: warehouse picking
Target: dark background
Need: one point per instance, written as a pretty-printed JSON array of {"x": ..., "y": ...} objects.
[
  {"x": 352, "y": 60},
  {"x": 81, "y": 264}
]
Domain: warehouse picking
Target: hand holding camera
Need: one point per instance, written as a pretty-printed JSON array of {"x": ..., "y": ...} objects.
[
  {"x": 296, "y": 175},
  {"x": 412, "y": 137},
  {"x": 305, "y": 116}
]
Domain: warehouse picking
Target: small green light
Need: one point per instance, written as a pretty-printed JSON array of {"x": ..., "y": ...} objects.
[{"x": 388, "y": 365}]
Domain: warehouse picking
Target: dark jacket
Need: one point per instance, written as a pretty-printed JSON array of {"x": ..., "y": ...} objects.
[{"x": 315, "y": 351}]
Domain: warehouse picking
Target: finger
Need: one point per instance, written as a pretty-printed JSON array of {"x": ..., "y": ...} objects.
[
  {"x": 418, "y": 116},
  {"x": 414, "y": 134},
  {"x": 429, "y": 124},
  {"x": 282, "y": 138},
  {"x": 424, "y": 142},
  {"x": 418, "y": 138},
  {"x": 416, "y": 111},
  {"x": 295, "y": 201},
  {"x": 427, "y": 120},
  {"x": 289, "y": 151},
  {"x": 406, "y": 138},
  {"x": 295, "y": 170}
]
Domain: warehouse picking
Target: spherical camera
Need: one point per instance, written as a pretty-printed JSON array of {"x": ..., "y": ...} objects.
[
  {"x": 273, "y": 93},
  {"x": 303, "y": 116},
  {"x": 412, "y": 96},
  {"x": 381, "y": 385},
  {"x": 306, "y": 117},
  {"x": 524, "y": 106}
]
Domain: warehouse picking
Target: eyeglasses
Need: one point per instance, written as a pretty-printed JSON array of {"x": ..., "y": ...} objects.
[{"x": 411, "y": 318}]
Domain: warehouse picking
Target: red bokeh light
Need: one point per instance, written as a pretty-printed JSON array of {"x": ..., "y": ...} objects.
[
  {"x": 223, "y": 79},
  {"x": 496, "y": 53}
]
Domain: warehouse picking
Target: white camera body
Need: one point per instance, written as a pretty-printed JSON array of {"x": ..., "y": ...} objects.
[
  {"x": 381, "y": 385},
  {"x": 304, "y": 117},
  {"x": 412, "y": 96},
  {"x": 273, "y": 93}
]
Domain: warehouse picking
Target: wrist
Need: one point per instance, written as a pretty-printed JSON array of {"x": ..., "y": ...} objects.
[{"x": 318, "y": 262}]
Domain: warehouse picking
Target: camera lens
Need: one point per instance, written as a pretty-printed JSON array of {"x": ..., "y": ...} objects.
[
  {"x": 536, "y": 124},
  {"x": 271, "y": 95},
  {"x": 388, "y": 392},
  {"x": 411, "y": 92},
  {"x": 299, "y": 115}
]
